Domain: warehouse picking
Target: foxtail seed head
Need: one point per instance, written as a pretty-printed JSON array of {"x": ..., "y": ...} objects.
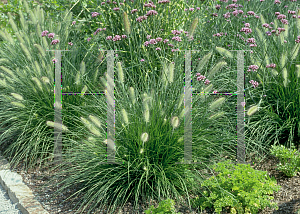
[
  {"x": 82, "y": 68},
  {"x": 84, "y": 89},
  {"x": 45, "y": 79},
  {"x": 204, "y": 61},
  {"x": 126, "y": 23},
  {"x": 146, "y": 113},
  {"x": 144, "y": 137},
  {"x": 298, "y": 71},
  {"x": 215, "y": 116},
  {"x": 252, "y": 110},
  {"x": 17, "y": 96},
  {"x": 36, "y": 80},
  {"x": 125, "y": 116},
  {"x": 175, "y": 122},
  {"x": 171, "y": 72},
  {"x": 224, "y": 52},
  {"x": 217, "y": 103},
  {"x": 95, "y": 120},
  {"x": 56, "y": 125},
  {"x": 18, "y": 104},
  {"x": 120, "y": 72},
  {"x": 132, "y": 95},
  {"x": 193, "y": 27}
]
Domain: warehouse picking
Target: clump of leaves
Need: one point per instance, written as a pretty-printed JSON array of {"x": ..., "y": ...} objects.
[
  {"x": 289, "y": 159},
  {"x": 166, "y": 206},
  {"x": 239, "y": 187}
]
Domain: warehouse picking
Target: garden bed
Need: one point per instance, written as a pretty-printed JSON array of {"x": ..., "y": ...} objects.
[{"x": 288, "y": 197}]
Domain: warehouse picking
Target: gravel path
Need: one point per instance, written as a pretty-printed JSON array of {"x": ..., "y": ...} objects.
[{"x": 6, "y": 205}]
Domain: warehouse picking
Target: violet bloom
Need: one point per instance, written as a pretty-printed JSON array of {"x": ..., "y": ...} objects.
[
  {"x": 70, "y": 43},
  {"x": 158, "y": 39},
  {"x": 54, "y": 42},
  {"x": 94, "y": 14},
  {"x": 166, "y": 40},
  {"x": 133, "y": 11},
  {"x": 51, "y": 35},
  {"x": 146, "y": 44},
  {"x": 124, "y": 36},
  {"x": 158, "y": 49},
  {"x": 247, "y": 24},
  {"x": 74, "y": 22},
  {"x": 116, "y": 38},
  {"x": 148, "y": 36},
  {"x": 201, "y": 77},
  {"x": 108, "y": 37},
  {"x": 151, "y": 12},
  {"x": 207, "y": 82},
  {"x": 54, "y": 60},
  {"x": 116, "y": 9},
  {"x": 191, "y": 9},
  {"x": 142, "y": 60},
  {"x": 243, "y": 104},
  {"x": 44, "y": 33},
  {"x": 152, "y": 41},
  {"x": 102, "y": 3}
]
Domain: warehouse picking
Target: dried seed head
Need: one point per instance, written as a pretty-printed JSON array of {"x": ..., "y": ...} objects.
[
  {"x": 17, "y": 96},
  {"x": 175, "y": 122},
  {"x": 252, "y": 110},
  {"x": 145, "y": 137},
  {"x": 125, "y": 116}
]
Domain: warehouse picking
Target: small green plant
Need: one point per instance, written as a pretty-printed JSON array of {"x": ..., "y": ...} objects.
[
  {"x": 239, "y": 187},
  {"x": 166, "y": 206},
  {"x": 289, "y": 159}
]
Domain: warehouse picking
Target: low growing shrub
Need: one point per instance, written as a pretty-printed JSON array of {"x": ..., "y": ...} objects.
[
  {"x": 240, "y": 187},
  {"x": 289, "y": 159},
  {"x": 166, "y": 206}
]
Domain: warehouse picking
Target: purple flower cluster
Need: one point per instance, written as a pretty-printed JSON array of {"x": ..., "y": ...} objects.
[
  {"x": 50, "y": 35},
  {"x": 252, "y": 67},
  {"x": 163, "y": 2},
  {"x": 133, "y": 11},
  {"x": 298, "y": 39},
  {"x": 97, "y": 31},
  {"x": 141, "y": 18},
  {"x": 201, "y": 77},
  {"x": 254, "y": 83},
  {"x": 94, "y": 14},
  {"x": 177, "y": 38},
  {"x": 246, "y": 30},
  {"x": 44, "y": 33},
  {"x": 272, "y": 65},
  {"x": 150, "y": 4},
  {"x": 220, "y": 34}
]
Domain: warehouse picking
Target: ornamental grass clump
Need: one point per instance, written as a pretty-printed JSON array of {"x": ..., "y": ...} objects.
[
  {"x": 27, "y": 83},
  {"x": 148, "y": 142}
]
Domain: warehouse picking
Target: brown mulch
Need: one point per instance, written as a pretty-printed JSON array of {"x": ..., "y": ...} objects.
[{"x": 287, "y": 198}]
